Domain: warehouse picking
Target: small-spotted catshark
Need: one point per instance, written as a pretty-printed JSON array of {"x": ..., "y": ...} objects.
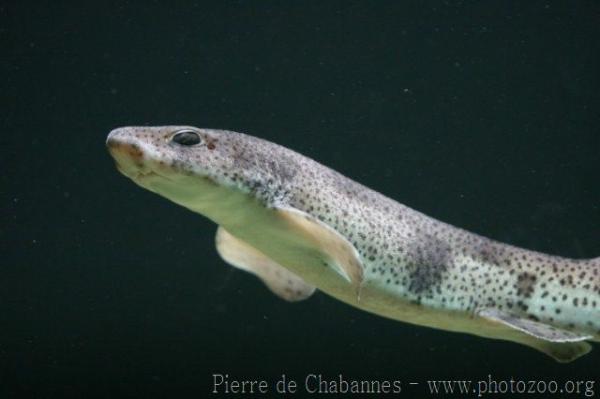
[{"x": 299, "y": 225}]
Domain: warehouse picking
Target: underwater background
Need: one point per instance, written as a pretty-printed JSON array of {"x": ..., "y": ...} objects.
[{"x": 484, "y": 115}]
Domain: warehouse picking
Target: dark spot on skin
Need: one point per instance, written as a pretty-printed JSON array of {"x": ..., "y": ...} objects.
[
  {"x": 431, "y": 259},
  {"x": 485, "y": 251},
  {"x": 242, "y": 159},
  {"x": 283, "y": 170},
  {"x": 525, "y": 284},
  {"x": 523, "y": 306}
]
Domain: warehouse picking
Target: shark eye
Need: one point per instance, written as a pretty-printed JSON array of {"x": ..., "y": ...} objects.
[{"x": 186, "y": 137}]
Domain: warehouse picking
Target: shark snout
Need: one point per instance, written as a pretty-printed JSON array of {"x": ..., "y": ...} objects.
[{"x": 126, "y": 150}]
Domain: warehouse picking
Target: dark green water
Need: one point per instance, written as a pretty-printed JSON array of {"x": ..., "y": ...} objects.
[{"x": 482, "y": 114}]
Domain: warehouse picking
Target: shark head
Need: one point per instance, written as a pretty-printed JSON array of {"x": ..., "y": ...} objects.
[
  {"x": 193, "y": 166},
  {"x": 171, "y": 152}
]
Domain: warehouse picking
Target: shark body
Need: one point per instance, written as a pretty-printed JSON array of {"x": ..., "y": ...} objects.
[{"x": 300, "y": 226}]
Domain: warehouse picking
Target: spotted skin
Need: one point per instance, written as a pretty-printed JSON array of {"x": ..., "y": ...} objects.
[{"x": 415, "y": 268}]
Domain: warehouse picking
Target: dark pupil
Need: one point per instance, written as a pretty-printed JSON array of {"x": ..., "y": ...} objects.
[{"x": 186, "y": 138}]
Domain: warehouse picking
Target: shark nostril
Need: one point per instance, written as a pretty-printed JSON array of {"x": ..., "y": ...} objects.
[{"x": 134, "y": 151}]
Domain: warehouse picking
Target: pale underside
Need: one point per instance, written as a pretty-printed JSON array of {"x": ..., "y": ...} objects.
[{"x": 293, "y": 253}]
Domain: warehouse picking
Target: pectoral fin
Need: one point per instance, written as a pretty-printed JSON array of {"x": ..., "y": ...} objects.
[
  {"x": 278, "y": 279},
  {"x": 342, "y": 255},
  {"x": 562, "y": 345}
]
